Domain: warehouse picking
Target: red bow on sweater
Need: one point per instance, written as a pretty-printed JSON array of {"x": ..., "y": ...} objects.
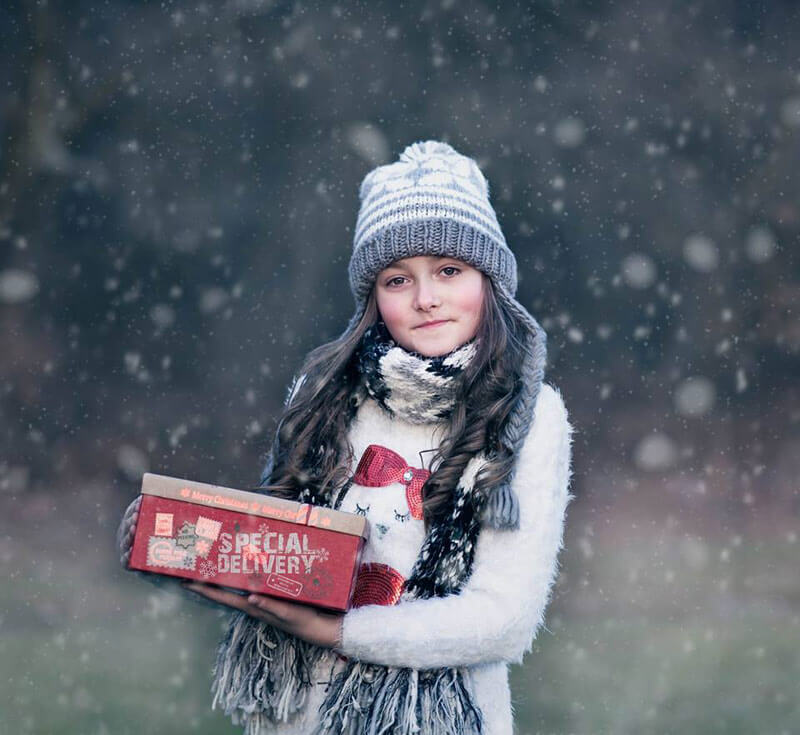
[{"x": 380, "y": 466}]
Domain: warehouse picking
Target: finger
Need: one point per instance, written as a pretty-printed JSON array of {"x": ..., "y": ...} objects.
[
  {"x": 226, "y": 597},
  {"x": 240, "y": 602},
  {"x": 280, "y": 608}
]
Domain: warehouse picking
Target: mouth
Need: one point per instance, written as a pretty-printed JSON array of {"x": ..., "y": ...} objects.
[{"x": 432, "y": 325}]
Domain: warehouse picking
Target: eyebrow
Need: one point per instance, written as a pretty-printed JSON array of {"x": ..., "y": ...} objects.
[{"x": 403, "y": 267}]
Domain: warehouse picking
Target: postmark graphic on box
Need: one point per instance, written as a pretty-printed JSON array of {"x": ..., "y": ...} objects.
[
  {"x": 207, "y": 528},
  {"x": 284, "y": 584},
  {"x": 163, "y": 524},
  {"x": 165, "y": 552}
]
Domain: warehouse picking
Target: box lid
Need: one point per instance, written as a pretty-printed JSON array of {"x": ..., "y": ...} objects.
[{"x": 244, "y": 501}]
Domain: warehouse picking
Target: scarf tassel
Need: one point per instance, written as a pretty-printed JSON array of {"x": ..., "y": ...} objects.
[
  {"x": 261, "y": 675},
  {"x": 501, "y": 510},
  {"x": 374, "y": 700}
]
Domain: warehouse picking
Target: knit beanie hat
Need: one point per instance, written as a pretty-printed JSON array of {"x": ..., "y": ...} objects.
[{"x": 435, "y": 201}]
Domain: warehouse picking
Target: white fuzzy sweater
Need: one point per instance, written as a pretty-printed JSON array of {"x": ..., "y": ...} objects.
[{"x": 495, "y": 618}]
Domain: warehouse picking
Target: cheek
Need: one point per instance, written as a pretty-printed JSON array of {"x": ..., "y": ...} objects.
[
  {"x": 470, "y": 298},
  {"x": 391, "y": 309}
]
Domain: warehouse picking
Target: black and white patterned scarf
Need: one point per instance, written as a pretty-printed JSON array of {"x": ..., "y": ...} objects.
[
  {"x": 407, "y": 384},
  {"x": 262, "y": 675}
]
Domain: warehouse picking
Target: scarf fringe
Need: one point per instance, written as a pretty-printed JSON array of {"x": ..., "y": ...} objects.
[
  {"x": 374, "y": 700},
  {"x": 501, "y": 510},
  {"x": 261, "y": 675}
]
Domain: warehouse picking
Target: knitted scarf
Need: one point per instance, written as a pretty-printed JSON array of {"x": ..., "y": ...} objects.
[{"x": 262, "y": 675}]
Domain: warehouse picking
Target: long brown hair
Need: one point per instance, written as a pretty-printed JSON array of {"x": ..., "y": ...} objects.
[{"x": 311, "y": 454}]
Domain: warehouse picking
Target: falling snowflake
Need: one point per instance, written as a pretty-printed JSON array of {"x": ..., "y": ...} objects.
[{"x": 208, "y": 569}]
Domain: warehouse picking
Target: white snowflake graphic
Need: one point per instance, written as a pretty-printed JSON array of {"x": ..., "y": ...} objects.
[
  {"x": 322, "y": 554},
  {"x": 263, "y": 528},
  {"x": 208, "y": 569},
  {"x": 202, "y": 547}
]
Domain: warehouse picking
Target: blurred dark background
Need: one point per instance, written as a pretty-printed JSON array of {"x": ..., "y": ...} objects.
[{"x": 178, "y": 190}]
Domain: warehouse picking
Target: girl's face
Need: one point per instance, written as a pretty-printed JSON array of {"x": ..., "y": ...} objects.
[{"x": 426, "y": 288}]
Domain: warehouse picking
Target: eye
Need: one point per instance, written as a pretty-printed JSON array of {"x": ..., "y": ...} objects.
[
  {"x": 391, "y": 281},
  {"x": 452, "y": 268}
]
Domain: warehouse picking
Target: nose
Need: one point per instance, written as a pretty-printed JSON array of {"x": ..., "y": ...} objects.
[{"x": 426, "y": 295}]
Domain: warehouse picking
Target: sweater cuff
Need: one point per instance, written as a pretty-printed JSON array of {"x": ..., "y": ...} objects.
[{"x": 351, "y": 635}]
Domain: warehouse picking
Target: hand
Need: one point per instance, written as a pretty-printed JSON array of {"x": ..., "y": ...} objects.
[
  {"x": 127, "y": 530},
  {"x": 301, "y": 621}
]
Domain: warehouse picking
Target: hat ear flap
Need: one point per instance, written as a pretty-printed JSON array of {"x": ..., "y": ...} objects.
[{"x": 501, "y": 509}]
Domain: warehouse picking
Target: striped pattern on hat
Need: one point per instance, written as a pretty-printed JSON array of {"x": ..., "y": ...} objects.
[{"x": 432, "y": 201}]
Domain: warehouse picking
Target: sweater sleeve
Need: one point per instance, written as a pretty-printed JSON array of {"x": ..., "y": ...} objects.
[{"x": 497, "y": 614}]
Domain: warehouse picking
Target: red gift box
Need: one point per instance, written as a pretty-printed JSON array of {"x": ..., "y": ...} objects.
[{"x": 248, "y": 541}]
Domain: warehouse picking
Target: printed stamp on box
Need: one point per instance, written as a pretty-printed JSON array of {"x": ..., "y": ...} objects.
[
  {"x": 163, "y": 525},
  {"x": 165, "y": 552},
  {"x": 284, "y": 584},
  {"x": 207, "y": 528}
]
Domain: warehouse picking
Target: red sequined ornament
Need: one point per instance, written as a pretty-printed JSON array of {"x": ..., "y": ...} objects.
[
  {"x": 380, "y": 466},
  {"x": 377, "y": 584}
]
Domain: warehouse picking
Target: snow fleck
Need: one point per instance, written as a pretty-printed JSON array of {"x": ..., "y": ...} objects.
[
  {"x": 701, "y": 253},
  {"x": 741, "y": 380},
  {"x": 176, "y": 434},
  {"x": 163, "y": 315},
  {"x": 212, "y": 299},
  {"x": 655, "y": 453},
  {"x": 569, "y": 132},
  {"x": 585, "y": 546},
  {"x": 575, "y": 335},
  {"x": 300, "y": 80},
  {"x": 17, "y": 286},
  {"x": 368, "y": 142},
  {"x": 694, "y": 396},
  {"x": 604, "y": 330},
  {"x": 638, "y": 270},
  {"x": 760, "y": 245},
  {"x": 132, "y": 462},
  {"x": 13, "y": 479},
  {"x": 133, "y": 361},
  {"x": 790, "y": 112}
]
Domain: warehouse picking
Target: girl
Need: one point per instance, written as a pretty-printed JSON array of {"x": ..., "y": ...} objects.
[{"x": 429, "y": 416}]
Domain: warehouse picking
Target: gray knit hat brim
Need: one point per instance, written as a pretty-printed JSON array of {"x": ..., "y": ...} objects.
[{"x": 431, "y": 237}]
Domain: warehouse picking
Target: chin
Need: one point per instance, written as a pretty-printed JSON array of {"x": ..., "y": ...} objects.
[{"x": 435, "y": 349}]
